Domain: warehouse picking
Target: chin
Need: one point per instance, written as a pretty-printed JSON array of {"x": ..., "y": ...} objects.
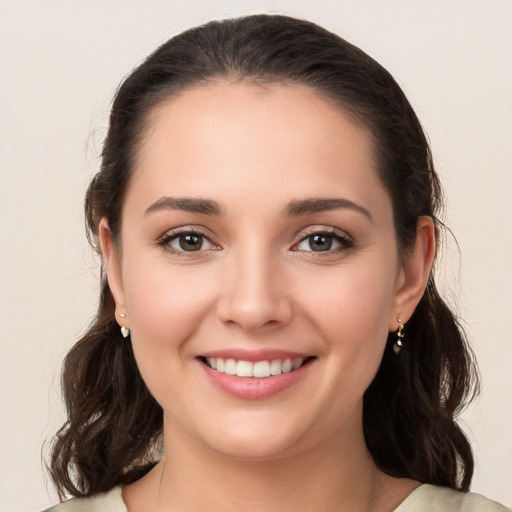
[
  {"x": 251, "y": 437},
  {"x": 247, "y": 448}
]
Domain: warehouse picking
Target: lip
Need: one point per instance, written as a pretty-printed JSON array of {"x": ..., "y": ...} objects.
[
  {"x": 250, "y": 388},
  {"x": 254, "y": 356}
]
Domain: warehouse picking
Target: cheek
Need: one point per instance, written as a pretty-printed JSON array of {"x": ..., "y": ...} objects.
[
  {"x": 355, "y": 301},
  {"x": 353, "y": 322},
  {"x": 166, "y": 307},
  {"x": 164, "y": 297}
]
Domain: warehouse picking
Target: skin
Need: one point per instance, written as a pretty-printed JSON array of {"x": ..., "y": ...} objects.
[{"x": 256, "y": 283}]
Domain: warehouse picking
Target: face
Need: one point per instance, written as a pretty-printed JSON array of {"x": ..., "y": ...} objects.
[{"x": 258, "y": 268}]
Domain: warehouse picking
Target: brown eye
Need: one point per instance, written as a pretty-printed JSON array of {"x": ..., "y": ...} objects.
[
  {"x": 189, "y": 242},
  {"x": 319, "y": 243},
  {"x": 324, "y": 242}
]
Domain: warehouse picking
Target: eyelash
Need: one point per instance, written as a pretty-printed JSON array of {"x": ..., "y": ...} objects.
[
  {"x": 332, "y": 233},
  {"x": 166, "y": 240}
]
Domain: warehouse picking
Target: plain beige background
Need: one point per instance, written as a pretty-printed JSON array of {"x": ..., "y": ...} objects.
[{"x": 60, "y": 62}]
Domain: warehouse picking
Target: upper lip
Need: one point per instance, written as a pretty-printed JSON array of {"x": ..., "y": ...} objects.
[{"x": 240, "y": 354}]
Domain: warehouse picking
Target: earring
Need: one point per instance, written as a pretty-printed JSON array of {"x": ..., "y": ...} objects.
[
  {"x": 397, "y": 346},
  {"x": 124, "y": 330}
]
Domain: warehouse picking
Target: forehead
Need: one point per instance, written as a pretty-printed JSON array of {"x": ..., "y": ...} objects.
[
  {"x": 259, "y": 104},
  {"x": 261, "y": 138}
]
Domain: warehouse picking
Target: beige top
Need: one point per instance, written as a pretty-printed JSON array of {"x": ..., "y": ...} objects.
[{"x": 425, "y": 498}]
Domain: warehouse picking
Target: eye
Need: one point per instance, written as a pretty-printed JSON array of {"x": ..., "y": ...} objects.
[
  {"x": 324, "y": 242},
  {"x": 186, "y": 242}
]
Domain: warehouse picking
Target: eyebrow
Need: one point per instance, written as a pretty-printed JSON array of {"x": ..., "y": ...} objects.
[
  {"x": 204, "y": 206},
  {"x": 307, "y": 206},
  {"x": 293, "y": 208}
]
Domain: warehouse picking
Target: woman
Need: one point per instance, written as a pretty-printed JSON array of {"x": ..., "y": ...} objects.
[{"x": 269, "y": 332}]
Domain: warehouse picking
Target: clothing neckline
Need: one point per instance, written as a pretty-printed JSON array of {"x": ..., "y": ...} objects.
[{"x": 410, "y": 497}]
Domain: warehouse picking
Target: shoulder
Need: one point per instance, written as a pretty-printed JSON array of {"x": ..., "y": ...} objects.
[
  {"x": 431, "y": 498},
  {"x": 111, "y": 501}
]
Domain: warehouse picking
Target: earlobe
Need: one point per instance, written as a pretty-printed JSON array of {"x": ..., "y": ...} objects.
[
  {"x": 112, "y": 263},
  {"x": 415, "y": 272}
]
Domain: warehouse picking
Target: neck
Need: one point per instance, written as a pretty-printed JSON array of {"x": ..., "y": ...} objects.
[{"x": 336, "y": 476}]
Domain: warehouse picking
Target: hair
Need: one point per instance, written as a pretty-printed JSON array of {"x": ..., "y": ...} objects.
[{"x": 114, "y": 425}]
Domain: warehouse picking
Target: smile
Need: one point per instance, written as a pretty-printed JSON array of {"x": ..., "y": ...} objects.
[
  {"x": 258, "y": 369},
  {"x": 255, "y": 375}
]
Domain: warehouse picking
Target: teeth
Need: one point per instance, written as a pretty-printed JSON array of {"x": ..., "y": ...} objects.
[
  {"x": 244, "y": 369},
  {"x": 230, "y": 367},
  {"x": 287, "y": 365},
  {"x": 259, "y": 370},
  {"x": 276, "y": 367},
  {"x": 297, "y": 363}
]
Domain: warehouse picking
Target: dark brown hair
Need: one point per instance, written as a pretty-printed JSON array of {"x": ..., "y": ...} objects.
[{"x": 114, "y": 424}]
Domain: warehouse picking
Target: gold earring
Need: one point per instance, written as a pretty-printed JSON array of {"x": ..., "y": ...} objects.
[{"x": 397, "y": 346}]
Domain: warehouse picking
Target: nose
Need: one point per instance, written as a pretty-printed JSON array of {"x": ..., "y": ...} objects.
[{"x": 254, "y": 295}]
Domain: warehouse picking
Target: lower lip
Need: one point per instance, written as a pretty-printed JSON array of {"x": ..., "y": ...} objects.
[{"x": 251, "y": 388}]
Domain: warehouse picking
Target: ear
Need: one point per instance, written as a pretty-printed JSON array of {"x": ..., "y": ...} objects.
[
  {"x": 416, "y": 267},
  {"x": 113, "y": 264}
]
